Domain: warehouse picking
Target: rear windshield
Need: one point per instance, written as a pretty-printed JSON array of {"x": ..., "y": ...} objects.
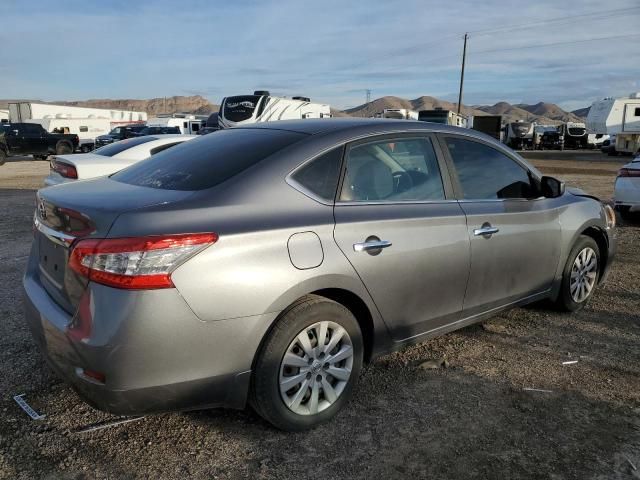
[
  {"x": 121, "y": 146},
  {"x": 208, "y": 160}
]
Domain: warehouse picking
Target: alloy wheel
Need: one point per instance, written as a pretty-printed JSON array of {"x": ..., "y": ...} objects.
[
  {"x": 316, "y": 368},
  {"x": 583, "y": 274}
]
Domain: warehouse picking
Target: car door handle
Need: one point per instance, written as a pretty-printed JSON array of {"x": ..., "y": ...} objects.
[
  {"x": 485, "y": 230},
  {"x": 371, "y": 245}
]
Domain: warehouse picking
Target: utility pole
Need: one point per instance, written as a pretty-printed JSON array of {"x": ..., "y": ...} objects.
[{"x": 464, "y": 57}]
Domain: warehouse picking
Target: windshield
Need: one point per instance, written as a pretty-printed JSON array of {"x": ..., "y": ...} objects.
[
  {"x": 238, "y": 109},
  {"x": 208, "y": 160},
  {"x": 118, "y": 147}
]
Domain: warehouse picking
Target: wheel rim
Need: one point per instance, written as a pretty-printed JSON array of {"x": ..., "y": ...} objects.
[
  {"x": 316, "y": 368},
  {"x": 583, "y": 274}
]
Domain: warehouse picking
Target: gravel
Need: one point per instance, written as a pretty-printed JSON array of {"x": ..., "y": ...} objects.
[{"x": 507, "y": 405}]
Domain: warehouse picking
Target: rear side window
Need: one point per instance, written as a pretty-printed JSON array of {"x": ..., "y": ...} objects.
[
  {"x": 121, "y": 146},
  {"x": 208, "y": 160},
  {"x": 320, "y": 176}
]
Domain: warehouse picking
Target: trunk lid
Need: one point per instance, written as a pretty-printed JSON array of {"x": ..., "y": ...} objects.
[{"x": 77, "y": 210}]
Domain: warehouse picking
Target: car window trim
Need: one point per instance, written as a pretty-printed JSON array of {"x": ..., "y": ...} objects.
[
  {"x": 455, "y": 181},
  {"x": 444, "y": 174}
]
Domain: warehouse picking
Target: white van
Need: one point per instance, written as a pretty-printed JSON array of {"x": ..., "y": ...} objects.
[{"x": 188, "y": 124}]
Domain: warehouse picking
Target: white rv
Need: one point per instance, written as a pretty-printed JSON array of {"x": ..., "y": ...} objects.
[
  {"x": 519, "y": 135},
  {"x": 262, "y": 107},
  {"x": 87, "y": 129},
  {"x": 23, "y": 111},
  {"x": 186, "y": 123},
  {"x": 446, "y": 117},
  {"x": 399, "y": 113},
  {"x": 619, "y": 117}
]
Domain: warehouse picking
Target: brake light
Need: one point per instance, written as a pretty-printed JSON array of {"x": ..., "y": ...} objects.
[
  {"x": 629, "y": 172},
  {"x": 136, "y": 263},
  {"x": 64, "y": 169}
]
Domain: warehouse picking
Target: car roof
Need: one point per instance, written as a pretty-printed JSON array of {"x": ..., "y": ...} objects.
[{"x": 315, "y": 126}]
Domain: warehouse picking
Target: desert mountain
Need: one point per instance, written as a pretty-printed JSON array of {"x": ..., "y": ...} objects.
[
  {"x": 177, "y": 104},
  {"x": 582, "y": 112},
  {"x": 544, "y": 113}
]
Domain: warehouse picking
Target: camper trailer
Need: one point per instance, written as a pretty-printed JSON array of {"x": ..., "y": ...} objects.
[
  {"x": 399, "y": 114},
  {"x": 187, "y": 123},
  {"x": 519, "y": 135},
  {"x": 25, "y": 111},
  {"x": 262, "y": 107},
  {"x": 575, "y": 134},
  {"x": 446, "y": 117},
  {"x": 87, "y": 129},
  {"x": 619, "y": 117}
]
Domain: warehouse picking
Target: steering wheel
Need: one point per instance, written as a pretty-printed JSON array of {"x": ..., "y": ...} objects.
[{"x": 402, "y": 182}]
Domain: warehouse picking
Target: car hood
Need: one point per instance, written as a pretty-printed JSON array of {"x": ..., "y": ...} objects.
[{"x": 578, "y": 192}]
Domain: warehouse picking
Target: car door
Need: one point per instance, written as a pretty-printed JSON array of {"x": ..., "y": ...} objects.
[
  {"x": 405, "y": 235},
  {"x": 514, "y": 231},
  {"x": 35, "y": 139},
  {"x": 14, "y": 139}
]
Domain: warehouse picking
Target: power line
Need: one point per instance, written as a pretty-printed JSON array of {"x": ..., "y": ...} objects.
[
  {"x": 543, "y": 45},
  {"x": 600, "y": 15}
]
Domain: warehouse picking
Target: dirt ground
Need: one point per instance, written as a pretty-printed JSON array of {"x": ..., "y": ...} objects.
[{"x": 472, "y": 420}]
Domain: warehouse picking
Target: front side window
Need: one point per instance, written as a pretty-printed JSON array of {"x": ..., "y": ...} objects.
[
  {"x": 486, "y": 173},
  {"x": 403, "y": 169}
]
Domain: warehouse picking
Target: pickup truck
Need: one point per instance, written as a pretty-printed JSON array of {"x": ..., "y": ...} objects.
[
  {"x": 119, "y": 133},
  {"x": 32, "y": 139}
]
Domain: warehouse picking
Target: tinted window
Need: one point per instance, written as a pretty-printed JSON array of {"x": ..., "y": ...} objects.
[
  {"x": 393, "y": 170},
  {"x": 237, "y": 109},
  {"x": 207, "y": 161},
  {"x": 121, "y": 146},
  {"x": 320, "y": 176},
  {"x": 486, "y": 173},
  {"x": 637, "y": 112},
  {"x": 84, "y": 129},
  {"x": 31, "y": 129}
]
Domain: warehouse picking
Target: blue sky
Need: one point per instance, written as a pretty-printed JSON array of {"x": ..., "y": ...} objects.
[{"x": 330, "y": 50}]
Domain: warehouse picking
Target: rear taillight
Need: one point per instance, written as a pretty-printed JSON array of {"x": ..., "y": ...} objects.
[
  {"x": 136, "y": 263},
  {"x": 629, "y": 172},
  {"x": 64, "y": 169}
]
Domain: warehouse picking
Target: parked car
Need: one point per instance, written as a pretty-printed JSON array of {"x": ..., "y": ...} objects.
[
  {"x": 267, "y": 263},
  {"x": 551, "y": 141},
  {"x": 110, "y": 158},
  {"x": 119, "y": 133},
  {"x": 158, "y": 131},
  {"x": 627, "y": 188},
  {"x": 32, "y": 139}
]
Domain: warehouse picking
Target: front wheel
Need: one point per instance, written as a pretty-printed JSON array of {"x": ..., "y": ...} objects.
[
  {"x": 308, "y": 366},
  {"x": 580, "y": 275}
]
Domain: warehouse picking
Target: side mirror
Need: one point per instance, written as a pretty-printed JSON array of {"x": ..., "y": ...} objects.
[{"x": 551, "y": 187}]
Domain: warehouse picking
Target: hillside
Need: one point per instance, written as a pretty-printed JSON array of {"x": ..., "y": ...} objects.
[
  {"x": 545, "y": 113},
  {"x": 153, "y": 106}
]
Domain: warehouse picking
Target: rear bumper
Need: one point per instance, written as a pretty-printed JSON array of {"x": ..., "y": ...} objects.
[
  {"x": 155, "y": 354},
  {"x": 627, "y": 192}
]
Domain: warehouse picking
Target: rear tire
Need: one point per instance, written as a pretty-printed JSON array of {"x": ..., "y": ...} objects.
[
  {"x": 580, "y": 275},
  {"x": 63, "y": 148},
  {"x": 3, "y": 157},
  {"x": 625, "y": 212},
  {"x": 294, "y": 356}
]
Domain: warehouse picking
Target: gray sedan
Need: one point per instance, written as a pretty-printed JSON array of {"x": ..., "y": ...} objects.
[{"x": 266, "y": 264}]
